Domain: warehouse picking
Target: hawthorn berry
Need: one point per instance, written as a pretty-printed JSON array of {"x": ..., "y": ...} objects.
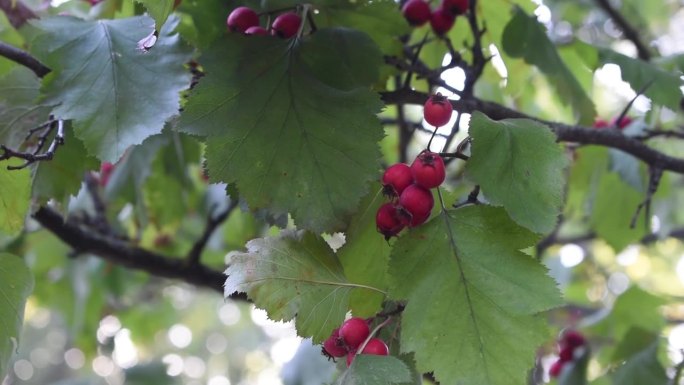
[
  {"x": 256, "y": 30},
  {"x": 106, "y": 170},
  {"x": 437, "y": 110},
  {"x": 286, "y": 25},
  {"x": 624, "y": 122},
  {"x": 572, "y": 339},
  {"x": 387, "y": 220},
  {"x": 566, "y": 354},
  {"x": 456, "y": 7},
  {"x": 441, "y": 21},
  {"x": 416, "y": 12},
  {"x": 354, "y": 331},
  {"x": 428, "y": 170},
  {"x": 600, "y": 123},
  {"x": 396, "y": 179},
  {"x": 415, "y": 205},
  {"x": 242, "y": 18},
  {"x": 556, "y": 368},
  {"x": 333, "y": 346},
  {"x": 376, "y": 347}
]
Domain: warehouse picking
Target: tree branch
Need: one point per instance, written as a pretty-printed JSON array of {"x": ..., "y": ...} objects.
[
  {"x": 23, "y": 58},
  {"x": 122, "y": 253},
  {"x": 195, "y": 253},
  {"x": 17, "y": 13},
  {"x": 631, "y": 33}
]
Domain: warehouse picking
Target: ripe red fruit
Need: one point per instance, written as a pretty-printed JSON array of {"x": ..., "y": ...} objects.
[
  {"x": 415, "y": 205},
  {"x": 600, "y": 123},
  {"x": 396, "y": 179},
  {"x": 388, "y": 221},
  {"x": 572, "y": 339},
  {"x": 428, "y": 170},
  {"x": 566, "y": 354},
  {"x": 242, "y": 18},
  {"x": 106, "y": 170},
  {"x": 437, "y": 110},
  {"x": 416, "y": 12},
  {"x": 376, "y": 347},
  {"x": 256, "y": 30},
  {"x": 354, "y": 331},
  {"x": 456, "y": 7},
  {"x": 556, "y": 368},
  {"x": 624, "y": 122},
  {"x": 286, "y": 25},
  {"x": 441, "y": 21},
  {"x": 350, "y": 357},
  {"x": 333, "y": 345}
]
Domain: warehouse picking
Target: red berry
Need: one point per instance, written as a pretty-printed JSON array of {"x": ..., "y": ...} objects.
[
  {"x": 242, "y": 18},
  {"x": 106, "y": 170},
  {"x": 333, "y": 345},
  {"x": 441, "y": 21},
  {"x": 376, "y": 347},
  {"x": 286, "y": 25},
  {"x": 396, "y": 179},
  {"x": 388, "y": 221},
  {"x": 350, "y": 357},
  {"x": 354, "y": 331},
  {"x": 256, "y": 30},
  {"x": 416, "y": 12},
  {"x": 428, "y": 170},
  {"x": 600, "y": 123},
  {"x": 415, "y": 205},
  {"x": 556, "y": 368},
  {"x": 624, "y": 122},
  {"x": 437, "y": 110},
  {"x": 456, "y": 7},
  {"x": 572, "y": 339},
  {"x": 566, "y": 354}
]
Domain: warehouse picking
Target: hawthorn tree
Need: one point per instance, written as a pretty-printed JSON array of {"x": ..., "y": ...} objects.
[{"x": 314, "y": 143}]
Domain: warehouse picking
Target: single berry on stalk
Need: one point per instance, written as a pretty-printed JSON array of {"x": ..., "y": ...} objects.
[
  {"x": 416, "y": 12},
  {"x": 437, "y": 110},
  {"x": 376, "y": 347},
  {"x": 441, "y": 21},
  {"x": 256, "y": 30},
  {"x": 456, "y": 7},
  {"x": 428, "y": 170},
  {"x": 242, "y": 18},
  {"x": 333, "y": 346},
  {"x": 396, "y": 179},
  {"x": 354, "y": 331},
  {"x": 286, "y": 25},
  {"x": 415, "y": 205},
  {"x": 388, "y": 221}
]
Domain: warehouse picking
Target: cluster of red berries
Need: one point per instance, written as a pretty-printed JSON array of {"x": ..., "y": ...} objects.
[
  {"x": 569, "y": 342},
  {"x": 348, "y": 338},
  {"x": 246, "y": 20},
  {"x": 624, "y": 122},
  {"x": 418, "y": 12},
  {"x": 409, "y": 186}
]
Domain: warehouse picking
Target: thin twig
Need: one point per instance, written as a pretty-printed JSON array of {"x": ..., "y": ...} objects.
[
  {"x": 24, "y": 58},
  {"x": 213, "y": 222},
  {"x": 631, "y": 33},
  {"x": 655, "y": 173},
  {"x": 32, "y": 157},
  {"x": 625, "y": 110},
  {"x": 471, "y": 200},
  {"x": 479, "y": 60}
]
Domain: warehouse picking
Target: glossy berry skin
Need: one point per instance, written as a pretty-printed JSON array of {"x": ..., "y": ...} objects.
[
  {"x": 441, "y": 21},
  {"x": 350, "y": 357},
  {"x": 428, "y": 170},
  {"x": 556, "y": 368},
  {"x": 566, "y": 354},
  {"x": 354, "y": 331},
  {"x": 241, "y": 19},
  {"x": 376, "y": 347},
  {"x": 416, "y": 12},
  {"x": 437, "y": 110},
  {"x": 256, "y": 30},
  {"x": 286, "y": 25},
  {"x": 333, "y": 345},
  {"x": 572, "y": 339},
  {"x": 396, "y": 179},
  {"x": 387, "y": 220},
  {"x": 415, "y": 203},
  {"x": 455, "y": 7}
]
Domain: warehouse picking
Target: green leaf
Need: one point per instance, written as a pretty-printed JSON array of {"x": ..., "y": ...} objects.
[
  {"x": 294, "y": 276},
  {"x": 642, "y": 368},
  {"x": 291, "y": 141},
  {"x": 375, "y": 370},
  {"x": 365, "y": 255},
  {"x": 15, "y": 194},
  {"x": 116, "y": 94},
  {"x": 634, "y": 308},
  {"x": 664, "y": 90},
  {"x": 525, "y": 38},
  {"x": 158, "y": 9},
  {"x": 16, "y": 283},
  {"x": 519, "y": 165},
  {"x": 481, "y": 325},
  {"x": 19, "y": 111}
]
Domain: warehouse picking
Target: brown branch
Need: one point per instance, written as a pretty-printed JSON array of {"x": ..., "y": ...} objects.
[
  {"x": 24, "y": 58},
  {"x": 17, "y": 13},
  {"x": 122, "y": 253},
  {"x": 213, "y": 222},
  {"x": 631, "y": 33},
  {"x": 32, "y": 157}
]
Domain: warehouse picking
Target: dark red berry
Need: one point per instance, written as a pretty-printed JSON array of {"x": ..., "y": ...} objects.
[
  {"x": 396, "y": 179},
  {"x": 333, "y": 345},
  {"x": 441, "y": 21},
  {"x": 256, "y": 30},
  {"x": 556, "y": 368},
  {"x": 416, "y": 12},
  {"x": 456, "y": 7},
  {"x": 624, "y": 122},
  {"x": 106, "y": 170},
  {"x": 566, "y": 354},
  {"x": 242, "y": 18},
  {"x": 572, "y": 339},
  {"x": 437, "y": 110},
  {"x": 376, "y": 347},
  {"x": 388, "y": 221},
  {"x": 428, "y": 170},
  {"x": 415, "y": 205},
  {"x": 354, "y": 331},
  {"x": 350, "y": 357},
  {"x": 600, "y": 123},
  {"x": 286, "y": 25}
]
